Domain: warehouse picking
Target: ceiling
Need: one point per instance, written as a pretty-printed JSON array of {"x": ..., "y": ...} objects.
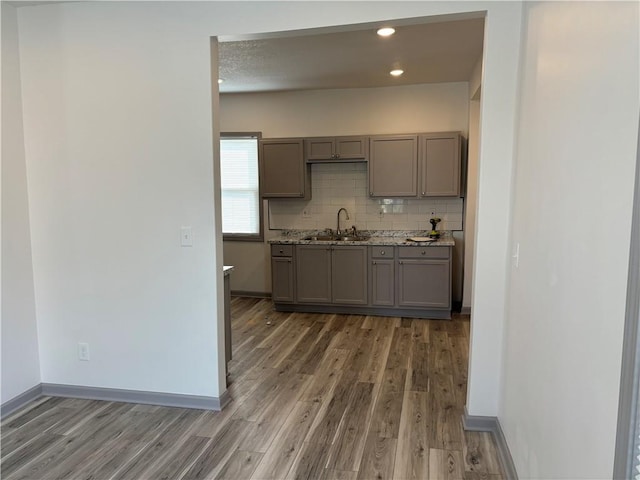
[{"x": 428, "y": 53}]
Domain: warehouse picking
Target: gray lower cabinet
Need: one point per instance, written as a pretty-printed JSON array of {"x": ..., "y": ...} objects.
[
  {"x": 313, "y": 274},
  {"x": 282, "y": 274},
  {"x": 402, "y": 280},
  {"x": 424, "y": 277},
  {"x": 382, "y": 276},
  {"x": 282, "y": 279},
  {"x": 349, "y": 275},
  {"x": 283, "y": 172},
  {"x": 331, "y": 274}
]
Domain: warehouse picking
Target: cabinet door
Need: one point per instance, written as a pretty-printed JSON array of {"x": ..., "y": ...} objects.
[
  {"x": 382, "y": 282},
  {"x": 282, "y": 168},
  {"x": 352, "y": 148},
  {"x": 393, "y": 166},
  {"x": 349, "y": 275},
  {"x": 282, "y": 279},
  {"x": 424, "y": 283},
  {"x": 313, "y": 273},
  {"x": 319, "y": 148},
  {"x": 440, "y": 165}
]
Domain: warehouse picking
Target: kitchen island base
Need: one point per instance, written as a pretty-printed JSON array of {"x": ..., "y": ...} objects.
[
  {"x": 391, "y": 278},
  {"x": 427, "y": 314}
]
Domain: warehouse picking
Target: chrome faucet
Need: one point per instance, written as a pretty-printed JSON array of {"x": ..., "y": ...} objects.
[{"x": 347, "y": 218}]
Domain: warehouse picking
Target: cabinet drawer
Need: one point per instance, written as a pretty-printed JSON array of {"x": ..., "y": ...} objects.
[
  {"x": 382, "y": 251},
  {"x": 423, "y": 252},
  {"x": 281, "y": 250}
]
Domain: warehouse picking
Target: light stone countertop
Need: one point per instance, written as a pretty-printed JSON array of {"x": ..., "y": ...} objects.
[{"x": 377, "y": 237}]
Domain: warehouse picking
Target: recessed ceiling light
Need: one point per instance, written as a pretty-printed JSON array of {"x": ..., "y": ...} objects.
[
  {"x": 220, "y": 80},
  {"x": 386, "y": 31},
  {"x": 397, "y": 72}
]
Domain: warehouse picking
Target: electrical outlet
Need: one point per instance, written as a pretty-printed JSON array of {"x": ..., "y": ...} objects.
[{"x": 83, "y": 351}]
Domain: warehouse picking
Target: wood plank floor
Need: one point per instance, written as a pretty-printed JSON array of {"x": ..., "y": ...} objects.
[{"x": 341, "y": 397}]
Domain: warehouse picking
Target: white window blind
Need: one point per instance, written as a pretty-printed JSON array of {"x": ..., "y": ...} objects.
[{"x": 239, "y": 182}]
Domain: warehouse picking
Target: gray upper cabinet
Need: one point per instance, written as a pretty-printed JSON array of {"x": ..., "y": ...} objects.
[
  {"x": 313, "y": 273},
  {"x": 319, "y": 149},
  {"x": 336, "y": 149},
  {"x": 349, "y": 275},
  {"x": 283, "y": 172},
  {"x": 440, "y": 164},
  {"x": 393, "y": 166}
]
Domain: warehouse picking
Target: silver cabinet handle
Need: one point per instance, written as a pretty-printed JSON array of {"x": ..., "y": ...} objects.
[
  {"x": 423, "y": 252},
  {"x": 401, "y": 262},
  {"x": 375, "y": 263},
  {"x": 281, "y": 251},
  {"x": 381, "y": 252},
  {"x": 424, "y": 193}
]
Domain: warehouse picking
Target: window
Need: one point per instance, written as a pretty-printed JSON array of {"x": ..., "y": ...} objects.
[{"x": 241, "y": 204}]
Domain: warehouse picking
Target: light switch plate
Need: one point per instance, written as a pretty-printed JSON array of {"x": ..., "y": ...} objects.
[
  {"x": 83, "y": 351},
  {"x": 186, "y": 237}
]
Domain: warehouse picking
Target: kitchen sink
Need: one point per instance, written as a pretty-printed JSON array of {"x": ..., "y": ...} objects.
[
  {"x": 351, "y": 238},
  {"x": 331, "y": 238},
  {"x": 321, "y": 238}
]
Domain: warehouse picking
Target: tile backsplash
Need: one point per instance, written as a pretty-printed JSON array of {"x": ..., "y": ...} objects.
[{"x": 336, "y": 185}]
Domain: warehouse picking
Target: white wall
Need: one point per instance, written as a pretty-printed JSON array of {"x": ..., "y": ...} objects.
[
  {"x": 572, "y": 217},
  {"x": 117, "y": 115},
  {"x": 118, "y": 142},
  {"x": 497, "y": 114},
  {"x": 20, "y": 361},
  {"x": 351, "y": 111},
  {"x": 471, "y": 199},
  {"x": 407, "y": 109}
]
